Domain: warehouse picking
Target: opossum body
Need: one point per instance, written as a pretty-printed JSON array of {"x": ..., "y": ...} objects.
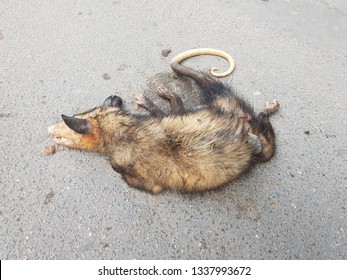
[{"x": 187, "y": 150}]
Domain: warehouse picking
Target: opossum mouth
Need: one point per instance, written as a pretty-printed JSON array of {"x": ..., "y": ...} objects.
[
  {"x": 57, "y": 137},
  {"x": 60, "y": 140}
]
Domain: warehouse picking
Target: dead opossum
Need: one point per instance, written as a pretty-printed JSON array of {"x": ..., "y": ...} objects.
[{"x": 188, "y": 150}]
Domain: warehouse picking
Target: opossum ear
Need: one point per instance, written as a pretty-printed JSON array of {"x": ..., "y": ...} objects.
[
  {"x": 81, "y": 126},
  {"x": 113, "y": 101}
]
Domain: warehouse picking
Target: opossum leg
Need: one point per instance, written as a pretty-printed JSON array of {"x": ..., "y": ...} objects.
[
  {"x": 266, "y": 133},
  {"x": 140, "y": 184},
  {"x": 146, "y": 103},
  {"x": 256, "y": 143},
  {"x": 175, "y": 102},
  {"x": 200, "y": 78}
]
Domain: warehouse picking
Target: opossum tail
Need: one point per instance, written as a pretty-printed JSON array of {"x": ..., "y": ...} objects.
[
  {"x": 206, "y": 51},
  {"x": 211, "y": 88}
]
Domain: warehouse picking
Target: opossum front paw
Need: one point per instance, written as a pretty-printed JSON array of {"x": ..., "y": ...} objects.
[
  {"x": 141, "y": 100},
  {"x": 271, "y": 107},
  {"x": 164, "y": 92},
  {"x": 144, "y": 102}
]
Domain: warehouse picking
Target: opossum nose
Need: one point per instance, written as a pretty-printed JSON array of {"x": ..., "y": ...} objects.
[{"x": 113, "y": 101}]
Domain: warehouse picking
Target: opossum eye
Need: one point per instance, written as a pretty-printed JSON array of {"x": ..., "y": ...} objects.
[
  {"x": 81, "y": 126},
  {"x": 113, "y": 101}
]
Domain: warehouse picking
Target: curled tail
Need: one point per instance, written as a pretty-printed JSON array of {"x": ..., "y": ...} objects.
[
  {"x": 210, "y": 87},
  {"x": 207, "y": 51},
  {"x": 200, "y": 78}
]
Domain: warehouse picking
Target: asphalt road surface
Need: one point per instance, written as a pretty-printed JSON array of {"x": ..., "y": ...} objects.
[{"x": 68, "y": 56}]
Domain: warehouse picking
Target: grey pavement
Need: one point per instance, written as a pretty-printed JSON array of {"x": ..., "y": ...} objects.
[{"x": 68, "y": 56}]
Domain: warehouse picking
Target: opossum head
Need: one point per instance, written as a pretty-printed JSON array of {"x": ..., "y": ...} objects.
[{"x": 83, "y": 131}]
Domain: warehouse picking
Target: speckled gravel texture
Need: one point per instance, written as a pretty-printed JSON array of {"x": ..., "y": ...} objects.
[{"x": 68, "y": 56}]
